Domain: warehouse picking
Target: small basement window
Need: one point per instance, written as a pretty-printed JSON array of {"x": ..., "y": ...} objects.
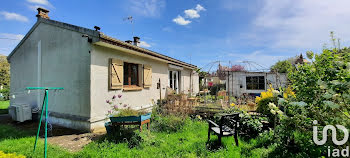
[
  {"x": 255, "y": 82},
  {"x": 131, "y": 75}
]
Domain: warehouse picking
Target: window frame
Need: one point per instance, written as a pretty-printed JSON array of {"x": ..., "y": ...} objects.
[
  {"x": 130, "y": 75},
  {"x": 251, "y": 84}
]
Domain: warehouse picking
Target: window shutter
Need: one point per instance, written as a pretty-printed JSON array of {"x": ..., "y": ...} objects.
[
  {"x": 147, "y": 76},
  {"x": 116, "y": 74}
]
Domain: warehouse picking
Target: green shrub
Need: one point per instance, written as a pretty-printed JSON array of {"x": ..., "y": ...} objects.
[
  {"x": 263, "y": 107},
  {"x": 141, "y": 139},
  {"x": 129, "y": 112},
  {"x": 221, "y": 97},
  {"x": 168, "y": 123},
  {"x": 6, "y": 94},
  {"x": 281, "y": 66},
  {"x": 265, "y": 139},
  {"x": 293, "y": 142},
  {"x": 216, "y": 88},
  {"x": 322, "y": 94},
  {"x": 249, "y": 127}
]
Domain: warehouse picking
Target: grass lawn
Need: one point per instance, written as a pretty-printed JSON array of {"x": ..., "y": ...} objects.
[
  {"x": 4, "y": 106},
  {"x": 189, "y": 142}
]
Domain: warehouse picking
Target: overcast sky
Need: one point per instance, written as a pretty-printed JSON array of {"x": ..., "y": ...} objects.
[{"x": 196, "y": 31}]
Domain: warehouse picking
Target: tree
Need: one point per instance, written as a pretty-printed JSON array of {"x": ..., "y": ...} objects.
[
  {"x": 281, "y": 66},
  {"x": 4, "y": 72},
  {"x": 221, "y": 71}
]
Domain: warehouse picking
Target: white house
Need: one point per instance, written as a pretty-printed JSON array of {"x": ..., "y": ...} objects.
[
  {"x": 91, "y": 67},
  {"x": 253, "y": 83}
]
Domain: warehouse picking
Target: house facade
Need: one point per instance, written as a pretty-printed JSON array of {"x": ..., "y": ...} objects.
[
  {"x": 253, "y": 83},
  {"x": 91, "y": 67}
]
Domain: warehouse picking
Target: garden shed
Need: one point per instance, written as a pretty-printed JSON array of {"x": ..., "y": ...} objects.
[
  {"x": 253, "y": 83},
  {"x": 91, "y": 67}
]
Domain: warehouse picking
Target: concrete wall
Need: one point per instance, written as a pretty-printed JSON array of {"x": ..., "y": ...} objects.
[
  {"x": 135, "y": 99},
  {"x": 195, "y": 83},
  {"x": 64, "y": 62},
  {"x": 56, "y": 55},
  {"x": 236, "y": 82}
]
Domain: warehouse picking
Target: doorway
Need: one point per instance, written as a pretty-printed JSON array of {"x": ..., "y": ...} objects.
[{"x": 174, "y": 78}]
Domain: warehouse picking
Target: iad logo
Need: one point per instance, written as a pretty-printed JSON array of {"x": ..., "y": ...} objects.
[
  {"x": 334, "y": 134},
  {"x": 334, "y": 152}
]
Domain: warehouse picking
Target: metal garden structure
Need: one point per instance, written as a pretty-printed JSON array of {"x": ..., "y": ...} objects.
[{"x": 45, "y": 105}]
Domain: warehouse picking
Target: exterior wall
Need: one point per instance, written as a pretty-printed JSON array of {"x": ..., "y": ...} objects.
[
  {"x": 195, "y": 83},
  {"x": 135, "y": 99},
  {"x": 277, "y": 80},
  {"x": 186, "y": 84},
  {"x": 236, "y": 82},
  {"x": 64, "y": 62}
]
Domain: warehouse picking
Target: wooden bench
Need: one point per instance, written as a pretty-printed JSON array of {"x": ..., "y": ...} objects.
[{"x": 228, "y": 126}]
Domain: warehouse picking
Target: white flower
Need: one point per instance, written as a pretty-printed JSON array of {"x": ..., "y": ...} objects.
[
  {"x": 275, "y": 92},
  {"x": 272, "y": 106},
  {"x": 273, "y": 111},
  {"x": 279, "y": 112}
]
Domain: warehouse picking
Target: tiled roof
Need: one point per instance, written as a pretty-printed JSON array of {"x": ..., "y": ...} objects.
[
  {"x": 113, "y": 41},
  {"x": 98, "y": 36}
]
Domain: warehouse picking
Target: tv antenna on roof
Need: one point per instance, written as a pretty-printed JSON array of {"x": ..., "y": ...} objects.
[{"x": 130, "y": 18}]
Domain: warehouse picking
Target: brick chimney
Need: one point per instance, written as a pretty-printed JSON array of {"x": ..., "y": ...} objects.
[
  {"x": 136, "y": 41},
  {"x": 43, "y": 13}
]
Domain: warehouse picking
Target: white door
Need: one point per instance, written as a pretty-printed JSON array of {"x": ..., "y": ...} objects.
[{"x": 174, "y": 80}]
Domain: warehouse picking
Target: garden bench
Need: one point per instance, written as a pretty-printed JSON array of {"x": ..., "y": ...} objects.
[{"x": 225, "y": 129}]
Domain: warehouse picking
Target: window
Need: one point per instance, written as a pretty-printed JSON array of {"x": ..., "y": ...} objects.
[
  {"x": 255, "y": 82},
  {"x": 131, "y": 74}
]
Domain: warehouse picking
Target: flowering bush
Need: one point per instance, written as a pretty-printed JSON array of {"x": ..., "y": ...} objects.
[
  {"x": 10, "y": 155},
  {"x": 268, "y": 100},
  {"x": 288, "y": 93},
  {"x": 275, "y": 110},
  {"x": 272, "y": 93},
  {"x": 321, "y": 93},
  {"x": 118, "y": 109}
]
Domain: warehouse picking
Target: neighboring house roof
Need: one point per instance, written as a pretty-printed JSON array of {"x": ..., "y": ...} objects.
[
  {"x": 300, "y": 60},
  {"x": 99, "y": 36}
]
